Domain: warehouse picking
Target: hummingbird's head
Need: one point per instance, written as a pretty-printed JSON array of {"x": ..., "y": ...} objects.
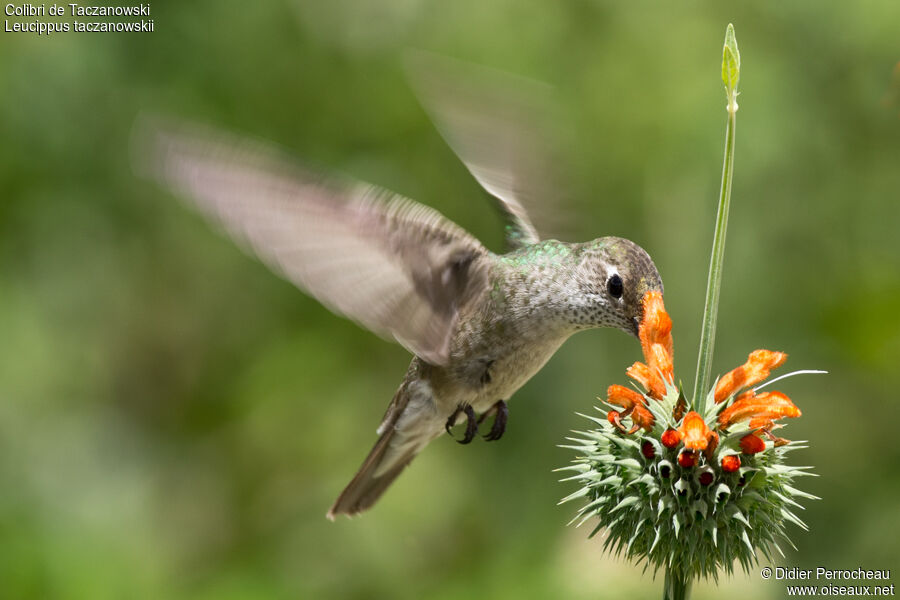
[{"x": 621, "y": 273}]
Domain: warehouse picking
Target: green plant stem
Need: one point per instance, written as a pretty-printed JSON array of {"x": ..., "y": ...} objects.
[
  {"x": 677, "y": 586},
  {"x": 714, "y": 280},
  {"x": 731, "y": 71}
]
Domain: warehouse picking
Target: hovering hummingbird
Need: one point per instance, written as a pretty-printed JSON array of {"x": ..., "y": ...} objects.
[{"x": 480, "y": 324}]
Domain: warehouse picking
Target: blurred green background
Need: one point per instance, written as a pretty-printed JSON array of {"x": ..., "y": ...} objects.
[{"x": 175, "y": 420}]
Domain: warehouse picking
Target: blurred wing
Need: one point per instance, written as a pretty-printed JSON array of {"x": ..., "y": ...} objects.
[
  {"x": 495, "y": 123},
  {"x": 395, "y": 266}
]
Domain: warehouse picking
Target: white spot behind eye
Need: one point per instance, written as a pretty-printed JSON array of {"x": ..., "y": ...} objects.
[{"x": 614, "y": 272}]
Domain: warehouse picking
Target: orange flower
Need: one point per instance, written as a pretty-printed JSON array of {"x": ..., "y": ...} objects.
[
  {"x": 634, "y": 405},
  {"x": 656, "y": 342},
  {"x": 761, "y": 409},
  {"x": 697, "y": 434},
  {"x": 656, "y": 334},
  {"x": 624, "y": 397},
  {"x": 652, "y": 382},
  {"x": 642, "y": 417},
  {"x": 757, "y": 368}
]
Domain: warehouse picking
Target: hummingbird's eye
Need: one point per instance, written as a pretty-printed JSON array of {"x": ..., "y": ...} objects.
[{"x": 614, "y": 286}]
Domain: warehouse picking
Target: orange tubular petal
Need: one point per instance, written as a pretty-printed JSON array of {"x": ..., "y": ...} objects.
[
  {"x": 624, "y": 397},
  {"x": 657, "y": 325},
  {"x": 642, "y": 417},
  {"x": 729, "y": 383},
  {"x": 757, "y": 368},
  {"x": 695, "y": 431},
  {"x": 650, "y": 380},
  {"x": 749, "y": 405},
  {"x": 661, "y": 362},
  {"x": 762, "y": 422},
  {"x": 761, "y": 362},
  {"x": 656, "y": 335},
  {"x": 640, "y": 373}
]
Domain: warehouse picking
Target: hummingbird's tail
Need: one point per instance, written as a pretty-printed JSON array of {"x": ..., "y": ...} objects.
[
  {"x": 408, "y": 426},
  {"x": 370, "y": 482}
]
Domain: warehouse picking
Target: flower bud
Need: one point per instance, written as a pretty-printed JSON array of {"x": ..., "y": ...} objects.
[
  {"x": 751, "y": 444},
  {"x": 695, "y": 431},
  {"x": 731, "y": 463},
  {"x": 671, "y": 438},
  {"x": 706, "y": 476},
  {"x": 687, "y": 459}
]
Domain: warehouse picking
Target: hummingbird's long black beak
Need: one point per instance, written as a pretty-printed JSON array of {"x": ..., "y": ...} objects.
[{"x": 635, "y": 326}]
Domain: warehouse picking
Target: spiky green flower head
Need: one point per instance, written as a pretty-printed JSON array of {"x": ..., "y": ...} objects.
[{"x": 690, "y": 491}]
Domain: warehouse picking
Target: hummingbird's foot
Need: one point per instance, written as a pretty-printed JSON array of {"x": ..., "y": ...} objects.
[
  {"x": 501, "y": 414},
  {"x": 471, "y": 423}
]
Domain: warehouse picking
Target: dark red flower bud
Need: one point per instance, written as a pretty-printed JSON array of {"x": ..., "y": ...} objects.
[
  {"x": 648, "y": 450},
  {"x": 687, "y": 459},
  {"x": 706, "y": 478}
]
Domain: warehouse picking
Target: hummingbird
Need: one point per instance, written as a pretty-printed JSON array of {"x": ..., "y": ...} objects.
[{"x": 480, "y": 324}]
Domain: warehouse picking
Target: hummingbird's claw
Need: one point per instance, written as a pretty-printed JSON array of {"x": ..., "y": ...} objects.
[
  {"x": 501, "y": 414},
  {"x": 471, "y": 423}
]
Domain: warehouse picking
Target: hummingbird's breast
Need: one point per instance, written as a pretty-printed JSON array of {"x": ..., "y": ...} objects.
[{"x": 509, "y": 334}]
